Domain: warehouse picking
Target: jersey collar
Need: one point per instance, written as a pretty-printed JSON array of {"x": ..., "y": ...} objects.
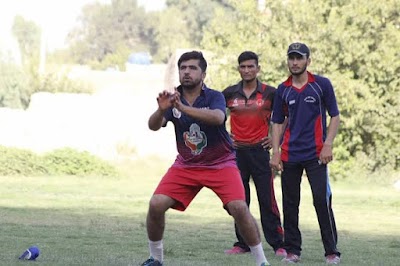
[
  {"x": 289, "y": 81},
  {"x": 239, "y": 87},
  {"x": 203, "y": 88}
]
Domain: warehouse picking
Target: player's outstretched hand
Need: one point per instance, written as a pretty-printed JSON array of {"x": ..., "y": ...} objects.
[
  {"x": 176, "y": 99},
  {"x": 165, "y": 100}
]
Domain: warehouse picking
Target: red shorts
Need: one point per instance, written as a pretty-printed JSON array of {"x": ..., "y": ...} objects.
[{"x": 183, "y": 184}]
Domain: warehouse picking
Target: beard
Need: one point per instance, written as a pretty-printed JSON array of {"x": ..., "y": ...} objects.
[
  {"x": 298, "y": 72},
  {"x": 190, "y": 84}
]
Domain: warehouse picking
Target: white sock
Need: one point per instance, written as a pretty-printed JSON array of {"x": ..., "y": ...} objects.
[
  {"x": 156, "y": 250},
  {"x": 259, "y": 255}
]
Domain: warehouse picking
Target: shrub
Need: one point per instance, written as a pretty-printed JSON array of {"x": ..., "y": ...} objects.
[
  {"x": 17, "y": 84},
  {"x": 71, "y": 162},
  {"x": 58, "y": 81},
  {"x": 14, "y": 161},
  {"x": 14, "y": 86},
  {"x": 66, "y": 161}
]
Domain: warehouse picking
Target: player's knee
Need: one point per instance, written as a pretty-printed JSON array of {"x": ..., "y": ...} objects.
[
  {"x": 159, "y": 204},
  {"x": 238, "y": 208}
]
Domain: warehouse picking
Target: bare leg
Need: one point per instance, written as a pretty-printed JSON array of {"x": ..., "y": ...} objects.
[
  {"x": 248, "y": 228},
  {"x": 246, "y": 223},
  {"x": 155, "y": 221}
]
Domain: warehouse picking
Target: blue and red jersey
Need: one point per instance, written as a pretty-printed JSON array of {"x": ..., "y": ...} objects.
[
  {"x": 306, "y": 110},
  {"x": 249, "y": 117},
  {"x": 200, "y": 144}
]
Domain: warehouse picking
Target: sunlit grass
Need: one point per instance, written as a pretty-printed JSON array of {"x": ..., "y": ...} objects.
[{"x": 101, "y": 221}]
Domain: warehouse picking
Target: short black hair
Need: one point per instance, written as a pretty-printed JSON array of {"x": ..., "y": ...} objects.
[
  {"x": 247, "y": 55},
  {"x": 194, "y": 55}
]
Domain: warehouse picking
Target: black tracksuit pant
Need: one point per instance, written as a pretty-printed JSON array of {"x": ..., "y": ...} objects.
[
  {"x": 254, "y": 162},
  {"x": 317, "y": 175}
]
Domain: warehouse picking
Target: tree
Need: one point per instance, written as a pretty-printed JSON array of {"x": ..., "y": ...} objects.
[
  {"x": 17, "y": 83},
  {"x": 354, "y": 43},
  {"x": 106, "y": 29},
  {"x": 14, "y": 86},
  {"x": 196, "y": 15},
  {"x": 170, "y": 33},
  {"x": 181, "y": 26},
  {"x": 28, "y": 35}
]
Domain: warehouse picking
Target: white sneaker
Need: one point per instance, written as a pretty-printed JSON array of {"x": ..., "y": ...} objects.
[
  {"x": 291, "y": 258},
  {"x": 333, "y": 259}
]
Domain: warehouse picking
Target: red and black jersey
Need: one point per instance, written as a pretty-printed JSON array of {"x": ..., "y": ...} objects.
[{"x": 249, "y": 117}]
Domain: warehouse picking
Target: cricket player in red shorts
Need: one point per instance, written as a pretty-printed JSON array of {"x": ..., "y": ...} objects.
[{"x": 205, "y": 158}]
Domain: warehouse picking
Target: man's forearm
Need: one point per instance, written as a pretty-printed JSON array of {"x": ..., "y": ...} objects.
[
  {"x": 332, "y": 130},
  {"x": 156, "y": 120},
  {"x": 277, "y": 130},
  {"x": 210, "y": 117}
]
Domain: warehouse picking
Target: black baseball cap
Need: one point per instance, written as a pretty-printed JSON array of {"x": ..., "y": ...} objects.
[{"x": 299, "y": 48}]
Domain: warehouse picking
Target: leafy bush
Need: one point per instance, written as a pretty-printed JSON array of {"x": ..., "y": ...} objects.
[
  {"x": 15, "y": 161},
  {"x": 17, "y": 84},
  {"x": 14, "y": 86},
  {"x": 115, "y": 60},
  {"x": 71, "y": 162},
  {"x": 58, "y": 81},
  {"x": 66, "y": 161}
]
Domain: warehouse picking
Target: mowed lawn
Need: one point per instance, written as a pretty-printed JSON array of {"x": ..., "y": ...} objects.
[{"x": 101, "y": 221}]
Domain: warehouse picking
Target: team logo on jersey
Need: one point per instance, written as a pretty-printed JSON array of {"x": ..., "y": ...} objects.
[
  {"x": 292, "y": 102},
  {"x": 195, "y": 139},
  {"x": 259, "y": 102},
  {"x": 310, "y": 99},
  {"x": 235, "y": 103},
  {"x": 176, "y": 113}
]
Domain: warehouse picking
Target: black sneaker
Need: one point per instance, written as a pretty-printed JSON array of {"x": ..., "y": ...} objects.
[{"x": 151, "y": 262}]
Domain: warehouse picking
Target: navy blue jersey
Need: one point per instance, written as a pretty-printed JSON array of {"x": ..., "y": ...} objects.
[
  {"x": 200, "y": 144},
  {"x": 306, "y": 109}
]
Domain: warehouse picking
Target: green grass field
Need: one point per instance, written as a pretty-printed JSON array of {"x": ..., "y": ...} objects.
[{"x": 101, "y": 221}]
